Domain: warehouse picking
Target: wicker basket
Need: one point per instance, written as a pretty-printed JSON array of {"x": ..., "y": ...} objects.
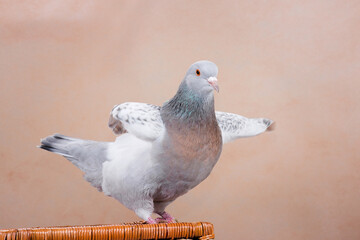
[{"x": 132, "y": 231}]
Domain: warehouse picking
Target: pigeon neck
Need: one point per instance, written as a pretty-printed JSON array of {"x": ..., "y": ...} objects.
[{"x": 189, "y": 105}]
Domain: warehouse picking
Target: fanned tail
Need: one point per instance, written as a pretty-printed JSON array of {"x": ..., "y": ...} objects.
[
  {"x": 58, "y": 144},
  {"x": 87, "y": 155}
]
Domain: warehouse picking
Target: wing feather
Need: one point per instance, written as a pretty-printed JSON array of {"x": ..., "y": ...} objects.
[
  {"x": 139, "y": 119},
  {"x": 235, "y": 126},
  {"x": 144, "y": 121}
]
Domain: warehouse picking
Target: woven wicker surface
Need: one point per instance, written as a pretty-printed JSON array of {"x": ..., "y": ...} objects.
[{"x": 132, "y": 231}]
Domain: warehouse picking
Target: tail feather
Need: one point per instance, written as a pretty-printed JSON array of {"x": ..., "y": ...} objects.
[
  {"x": 87, "y": 155},
  {"x": 58, "y": 144}
]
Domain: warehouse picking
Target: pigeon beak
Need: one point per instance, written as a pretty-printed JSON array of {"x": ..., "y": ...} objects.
[{"x": 213, "y": 83}]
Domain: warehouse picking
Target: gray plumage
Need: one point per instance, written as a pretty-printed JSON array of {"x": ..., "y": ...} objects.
[
  {"x": 87, "y": 155},
  {"x": 162, "y": 152}
]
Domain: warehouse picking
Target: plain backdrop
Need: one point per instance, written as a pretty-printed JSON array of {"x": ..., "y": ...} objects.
[{"x": 65, "y": 64}]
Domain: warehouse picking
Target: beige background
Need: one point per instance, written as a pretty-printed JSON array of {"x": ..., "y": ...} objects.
[{"x": 64, "y": 64}]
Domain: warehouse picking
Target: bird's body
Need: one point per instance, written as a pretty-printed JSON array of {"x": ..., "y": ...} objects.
[{"x": 163, "y": 152}]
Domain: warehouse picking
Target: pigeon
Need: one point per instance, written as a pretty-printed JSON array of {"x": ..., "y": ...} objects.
[{"x": 160, "y": 153}]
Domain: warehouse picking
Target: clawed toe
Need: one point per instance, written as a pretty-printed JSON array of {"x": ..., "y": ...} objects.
[
  {"x": 151, "y": 221},
  {"x": 163, "y": 220},
  {"x": 160, "y": 220},
  {"x": 167, "y": 217}
]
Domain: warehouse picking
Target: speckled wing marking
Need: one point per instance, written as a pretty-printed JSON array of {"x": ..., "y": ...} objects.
[
  {"x": 140, "y": 119},
  {"x": 234, "y": 126},
  {"x": 144, "y": 121}
]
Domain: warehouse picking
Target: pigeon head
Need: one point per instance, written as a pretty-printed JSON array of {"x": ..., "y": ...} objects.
[
  {"x": 201, "y": 77},
  {"x": 195, "y": 97}
]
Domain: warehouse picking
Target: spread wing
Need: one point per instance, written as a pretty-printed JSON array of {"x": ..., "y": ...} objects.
[
  {"x": 234, "y": 126},
  {"x": 139, "y": 119},
  {"x": 144, "y": 121}
]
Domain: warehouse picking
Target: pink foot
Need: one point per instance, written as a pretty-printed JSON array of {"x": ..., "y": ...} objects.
[
  {"x": 151, "y": 221},
  {"x": 167, "y": 217},
  {"x": 160, "y": 220}
]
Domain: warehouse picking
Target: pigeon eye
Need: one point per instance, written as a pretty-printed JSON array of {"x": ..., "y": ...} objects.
[{"x": 198, "y": 72}]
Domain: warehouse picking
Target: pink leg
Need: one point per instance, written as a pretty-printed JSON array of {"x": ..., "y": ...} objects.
[{"x": 167, "y": 217}]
